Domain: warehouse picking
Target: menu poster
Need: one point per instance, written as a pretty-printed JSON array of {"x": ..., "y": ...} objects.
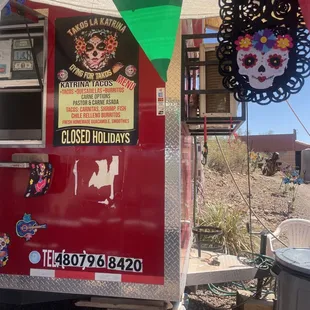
[{"x": 96, "y": 82}]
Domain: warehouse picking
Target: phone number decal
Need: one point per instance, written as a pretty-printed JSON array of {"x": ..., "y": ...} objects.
[
  {"x": 124, "y": 264},
  {"x": 86, "y": 260}
]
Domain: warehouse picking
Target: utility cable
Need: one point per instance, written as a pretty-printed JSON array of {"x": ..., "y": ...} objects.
[
  {"x": 301, "y": 123},
  {"x": 240, "y": 192},
  {"x": 34, "y": 57},
  {"x": 205, "y": 143}
]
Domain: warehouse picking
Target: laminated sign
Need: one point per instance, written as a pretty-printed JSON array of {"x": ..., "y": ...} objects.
[{"x": 96, "y": 82}]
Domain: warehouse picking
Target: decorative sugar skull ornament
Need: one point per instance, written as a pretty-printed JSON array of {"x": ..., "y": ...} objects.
[
  {"x": 263, "y": 57},
  {"x": 263, "y": 49}
]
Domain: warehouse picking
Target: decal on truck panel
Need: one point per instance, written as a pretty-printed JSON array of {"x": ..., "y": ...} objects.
[
  {"x": 98, "y": 276},
  {"x": 96, "y": 85},
  {"x": 75, "y": 172},
  {"x": 105, "y": 177},
  {"x": 4, "y": 251},
  {"x": 34, "y": 257},
  {"x": 63, "y": 259},
  {"x": 40, "y": 179},
  {"x": 130, "y": 71},
  {"x": 160, "y": 101},
  {"x": 102, "y": 177},
  {"x": 27, "y": 227}
]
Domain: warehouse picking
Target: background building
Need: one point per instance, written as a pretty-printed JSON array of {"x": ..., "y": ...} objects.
[{"x": 286, "y": 145}]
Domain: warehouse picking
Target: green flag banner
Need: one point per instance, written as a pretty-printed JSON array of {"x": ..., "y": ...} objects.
[{"x": 154, "y": 24}]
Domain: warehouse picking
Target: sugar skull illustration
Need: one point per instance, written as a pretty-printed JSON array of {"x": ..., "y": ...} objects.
[
  {"x": 130, "y": 70},
  {"x": 262, "y": 57},
  {"x": 40, "y": 179},
  {"x": 95, "y": 48},
  {"x": 263, "y": 49},
  {"x": 4, "y": 252}
]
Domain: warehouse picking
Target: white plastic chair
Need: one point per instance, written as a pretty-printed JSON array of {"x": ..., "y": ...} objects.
[{"x": 295, "y": 233}]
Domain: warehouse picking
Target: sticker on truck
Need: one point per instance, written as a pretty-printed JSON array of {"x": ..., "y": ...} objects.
[{"x": 52, "y": 259}]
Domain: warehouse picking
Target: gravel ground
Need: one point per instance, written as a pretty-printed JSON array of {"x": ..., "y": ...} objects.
[{"x": 269, "y": 203}]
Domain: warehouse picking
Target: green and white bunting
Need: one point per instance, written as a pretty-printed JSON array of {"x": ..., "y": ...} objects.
[{"x": 154, "y": 24}]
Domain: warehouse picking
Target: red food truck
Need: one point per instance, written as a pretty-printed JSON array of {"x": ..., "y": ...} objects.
[
  {"x": 96, "y": 180},
  {"x": 97, "y": 154}
]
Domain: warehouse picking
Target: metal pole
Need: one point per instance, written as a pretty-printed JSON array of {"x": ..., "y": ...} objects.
[
  {"x": 199, "y": 245},
  {"x": 263, "y": 244},
  {"x": 195, "y": 181}
]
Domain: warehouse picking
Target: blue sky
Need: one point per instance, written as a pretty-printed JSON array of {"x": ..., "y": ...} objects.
[{"x": 277, "y": 117}]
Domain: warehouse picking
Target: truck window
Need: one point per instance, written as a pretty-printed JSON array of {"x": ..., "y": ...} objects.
[{"x": 22, "y": 98}]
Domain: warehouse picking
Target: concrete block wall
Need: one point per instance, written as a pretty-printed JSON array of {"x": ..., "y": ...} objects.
[{"x": 288, "y": 158}]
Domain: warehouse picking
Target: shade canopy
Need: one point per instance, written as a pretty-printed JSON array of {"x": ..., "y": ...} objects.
[
  {"x": 191, "y": 8},
  {"x": 154, "y": 23},
  {"x": 156, "y": 43}
]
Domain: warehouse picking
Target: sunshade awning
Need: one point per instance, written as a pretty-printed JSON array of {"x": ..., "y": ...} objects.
[
  {"x": 191, "y": 9},
  {"x": 154, "y": 23},
  {"x": 161, "y": 24}
]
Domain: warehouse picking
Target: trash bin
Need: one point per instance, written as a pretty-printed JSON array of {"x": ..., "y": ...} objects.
[{"x": 292, "y": 269}]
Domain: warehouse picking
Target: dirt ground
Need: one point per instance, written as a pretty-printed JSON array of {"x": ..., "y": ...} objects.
[
  {"x": 268, "y": 199},
  {"x": 268, "y": 202}
]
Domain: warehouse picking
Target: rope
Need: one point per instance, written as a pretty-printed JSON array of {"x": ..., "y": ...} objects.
[
  {"x": 240, "y": 192},
  {"x": 301, "y": 123},
  {"x": 205, "y": 144}
]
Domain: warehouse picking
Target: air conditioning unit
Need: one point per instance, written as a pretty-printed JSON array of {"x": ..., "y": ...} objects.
[{"x": 215, "y": 104}]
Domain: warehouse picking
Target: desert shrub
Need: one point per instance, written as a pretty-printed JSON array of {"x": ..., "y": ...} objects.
[
  {"x": 290, "y": 182},
  {"x": 235, "y": 152},
  {"x": 231, "y": 221}
]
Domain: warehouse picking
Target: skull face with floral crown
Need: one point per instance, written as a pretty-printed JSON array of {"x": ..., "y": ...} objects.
[
  {"x": 3, "y": 243},
  {"x": 94, "y": 49},
  {"x": 4, "y": 254},
  {"x": 262, "y": 57}
]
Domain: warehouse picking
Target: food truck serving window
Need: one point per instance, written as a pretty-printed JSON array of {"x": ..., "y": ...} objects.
[{"x": 22, "y": 79}]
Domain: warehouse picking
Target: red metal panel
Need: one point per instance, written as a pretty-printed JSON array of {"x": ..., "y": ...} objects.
[
  {"x": 198, "y": 28},
  {"x": 305, "y": 7},
  {"x": 133, "y": 227}
]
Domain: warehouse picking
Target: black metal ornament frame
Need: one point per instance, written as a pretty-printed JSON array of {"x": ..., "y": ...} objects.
[{"x": 283, "y": 17}]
